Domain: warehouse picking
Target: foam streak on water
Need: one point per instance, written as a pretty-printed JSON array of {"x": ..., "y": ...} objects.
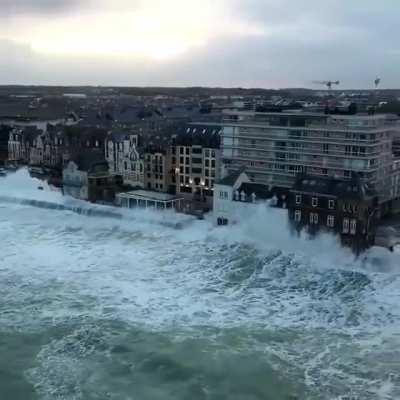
[{"x": 134, "y": 308}]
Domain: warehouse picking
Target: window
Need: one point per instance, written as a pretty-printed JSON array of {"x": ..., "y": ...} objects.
[
  {"x": 313, "y": 218},
  {"x": 297, "y": 216},
  {"x": 353, "y": 226},
  {"x": 223, "y": 195},
  {"x": 181, "y": 150},
  {"x": 207, "y": 163},
  {"x": 314, "y": 201},
  {"x": 298, "y": 199},
  {"x": 345, "y": 225},
  {"x": 187, "y": 150},
  {"x": 330, "y": 223},
  {"x": 331, "y": 204}
]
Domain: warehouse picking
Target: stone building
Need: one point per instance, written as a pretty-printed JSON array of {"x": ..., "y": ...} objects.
[
  {"x": 348, "y": 208},
  {"x": 123, "y": 157},
  {"x": 86, "y": 177}
]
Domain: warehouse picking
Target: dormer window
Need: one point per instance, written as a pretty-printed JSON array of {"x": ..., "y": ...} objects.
[
  {"x": 298, "y": 199},
  {"x": 314, "y": 201},
  {"x": 331, "y": 204}
]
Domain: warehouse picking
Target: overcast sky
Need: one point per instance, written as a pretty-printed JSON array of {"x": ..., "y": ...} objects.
[{"x": 248, "y": 43}]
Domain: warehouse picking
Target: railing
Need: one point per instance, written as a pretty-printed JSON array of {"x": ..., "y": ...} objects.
[
  {"x": 309, "y": 163},
  {"x": 302, "y": 151},
  {"x": 268, "y": 136}
]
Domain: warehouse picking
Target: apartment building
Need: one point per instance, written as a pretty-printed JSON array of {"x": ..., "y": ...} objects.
[
  {"x": 157, "y": 169},
  {"x": 195, "y": 156},
  {"x": 276, "y": 147}
]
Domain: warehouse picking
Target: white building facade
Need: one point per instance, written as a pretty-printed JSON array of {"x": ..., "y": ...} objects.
[
  {"x": 233, "y": 195},
  {"x": 123, "y": 158}
]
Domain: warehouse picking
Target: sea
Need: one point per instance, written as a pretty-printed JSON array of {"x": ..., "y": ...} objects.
[{"x": 99, "y": 303}]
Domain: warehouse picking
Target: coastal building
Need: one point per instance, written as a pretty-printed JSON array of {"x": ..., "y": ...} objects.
[
  {"x": 276, "y": 147},
  {"x": 4, "y": 137},
  {"x": 47, "y": 148},
  {"x": 149, "y": 200},
  {"x": 195, "y": 156},
  {"x": 234, "y": 194},
  {"x": 348, "y": 208},
  {"x": 87, "y": 177},
  {"x": 122, "y": 155},
  {"x": 157, "y": 169},
  {"x": 81, "y": 139}
]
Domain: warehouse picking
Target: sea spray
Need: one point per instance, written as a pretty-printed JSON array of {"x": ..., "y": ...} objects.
[{"x": 118, "y": 308}]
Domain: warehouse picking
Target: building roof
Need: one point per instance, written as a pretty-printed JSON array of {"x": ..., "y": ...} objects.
[
  {"x": 149, "y": 195},
  {"x": 205, "y": 135},
  {"x": 353, "y": 188},
  {"x": 231, "y": 179},
  {"x": 118, "y": 136},
  {"x": 89, "y": 160}
]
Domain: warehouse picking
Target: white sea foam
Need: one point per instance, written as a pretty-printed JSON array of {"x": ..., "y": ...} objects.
[{"x": 57, "y": 266}]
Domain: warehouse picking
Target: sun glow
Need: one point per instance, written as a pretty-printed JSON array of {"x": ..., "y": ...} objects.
[{"x": 117, "y": 34}]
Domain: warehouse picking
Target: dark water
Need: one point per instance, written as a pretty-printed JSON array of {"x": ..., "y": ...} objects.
[{"x": 95, "y": 308}]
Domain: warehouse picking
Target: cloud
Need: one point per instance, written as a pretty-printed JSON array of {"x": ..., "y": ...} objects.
[
  {"x": 9, "y": 7},
  {"x": 269, "y": 43}
]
